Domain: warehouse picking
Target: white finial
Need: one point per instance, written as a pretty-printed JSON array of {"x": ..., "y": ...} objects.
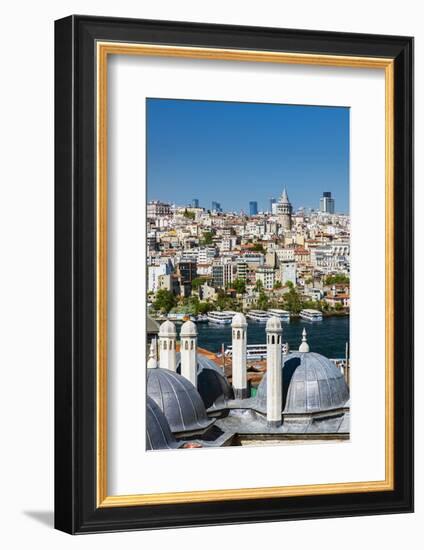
[
  {"x": 304, "y": 346},
  {"x": 152, "y": 363}
]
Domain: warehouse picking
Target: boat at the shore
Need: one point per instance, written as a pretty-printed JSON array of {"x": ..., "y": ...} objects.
[
  {"x": 281, "y": 314},
  {"x": 221, "y": 317},
  {"x": 257, "y": 315},
  {"x": 202, "y": 318},
  {"x": 180, "y": 317},
  {"x": 311, "y": 315}
]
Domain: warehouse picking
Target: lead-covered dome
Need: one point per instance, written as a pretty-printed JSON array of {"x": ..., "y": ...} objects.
[
  {"x": 311, "y": 384},
  {"x": 212, "y": 385},
  {"x": 158, "y": 432},
  {"x": 179, "y": 401}
]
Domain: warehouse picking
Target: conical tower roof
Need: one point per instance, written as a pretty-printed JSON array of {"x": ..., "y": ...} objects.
[{"x": 284, "y": 199}]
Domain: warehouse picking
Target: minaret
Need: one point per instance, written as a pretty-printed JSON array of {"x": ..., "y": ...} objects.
[
  {"x": 284, "y": 210},
  {"x": 167, "y": 341},
  {"x": 189, "y": 352},
  {"x": 274, "y": 387},
  {"x": 304, "y": 346},
  {"x": 152, "y": 363},
  {"x": 239, "y": 326}
]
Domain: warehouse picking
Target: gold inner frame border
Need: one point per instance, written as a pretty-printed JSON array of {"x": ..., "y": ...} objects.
[{"x": 103, "y": 50}]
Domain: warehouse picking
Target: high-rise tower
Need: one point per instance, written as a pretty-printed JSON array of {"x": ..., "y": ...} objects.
[
  {"x": 284, "y": 210},
  {"x": 326, "y": 203},
  {"x": 253, "y": 208}
]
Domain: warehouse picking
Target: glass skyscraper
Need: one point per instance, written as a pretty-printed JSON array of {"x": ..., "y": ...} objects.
[
  {"x": 253, "y": 208},
  {"x": 326, "y": 203}
]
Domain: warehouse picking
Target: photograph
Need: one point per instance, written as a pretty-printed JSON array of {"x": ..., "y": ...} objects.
[{"x": 248, "y": 274}]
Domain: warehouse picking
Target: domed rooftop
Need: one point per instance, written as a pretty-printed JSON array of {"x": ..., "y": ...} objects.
[
  {"x": 239, "y": 321},
  {"x": 311, "y": 383},
  {"x": 179, "y": 401},
  {"x": 273, "y": 325},
  {"x": 212, "y": 385},
  {"x": 188, "y": 329},
  {"x": 158, "y": 432},
  {"x": 168, "y": 329}
]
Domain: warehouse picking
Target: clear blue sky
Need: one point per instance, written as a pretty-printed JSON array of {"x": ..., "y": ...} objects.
[{"x": 234, "y": 153}]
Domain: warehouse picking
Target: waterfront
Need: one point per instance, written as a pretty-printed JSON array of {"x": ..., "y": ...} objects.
[{"x": 327, "y": 337}]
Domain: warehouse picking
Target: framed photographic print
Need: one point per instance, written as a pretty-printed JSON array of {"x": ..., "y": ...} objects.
[{"x": 234, "y": 264}]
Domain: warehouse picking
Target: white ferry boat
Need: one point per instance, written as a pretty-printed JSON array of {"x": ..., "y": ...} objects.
[
  {"x": 220, "y": 317},
  {"x": 311, "y": 315},
  {"x": 253, "y": 351},
  {"x": 281, "y": 314},
  {"x": 180, "y": 317},
  {"x": 257, "y": 315}
]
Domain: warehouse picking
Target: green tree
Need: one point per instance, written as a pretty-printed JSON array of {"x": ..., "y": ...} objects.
[
  {"x": 277, "y": 285},
  {"x": 339, "y": 278},
  {"x": 197, "y": 282},
  {"x": 193, "y": 305},
  {"x": 239, "y": 285},
  {"x": 189, "y": 215},
  {"x": 207, "y": 238},
  {"x": 164, "y": 301},
  {"x": 204, "y": 307},
  {"x": 225, "y": 302},
  {"x": 292, "y": 301},
  {"x": 263, "y": 302},
  {"x": 259, "y": 285},
  {"x": 257, "y": 247},
  {"x": 338, "y": 306}
]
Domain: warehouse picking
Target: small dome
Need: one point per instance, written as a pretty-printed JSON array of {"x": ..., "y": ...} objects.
[
  {"x": 273, "y": 325},
  {"x": 188, "y": 329},
  {"x": 239, "y": 321},
  {"x": 212, "y": 385},
  {"x": 179, "y": 401},
  {"x": 311, "y": 383},
  {"x": 168, "y": 329},
  {"x": 158, "y": 432}
]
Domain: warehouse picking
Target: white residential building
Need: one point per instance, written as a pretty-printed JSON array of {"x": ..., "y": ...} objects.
[
  {"x": 154, "y": 272},
  {"x": 267, "y": 277},
  {"x": 288, "y": 272}
]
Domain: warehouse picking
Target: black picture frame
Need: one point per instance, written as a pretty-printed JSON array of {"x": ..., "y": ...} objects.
[{"x": 76, "y": 510}]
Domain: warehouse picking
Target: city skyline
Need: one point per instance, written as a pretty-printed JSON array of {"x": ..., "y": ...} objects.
[{"x": 237, "y": 153}]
